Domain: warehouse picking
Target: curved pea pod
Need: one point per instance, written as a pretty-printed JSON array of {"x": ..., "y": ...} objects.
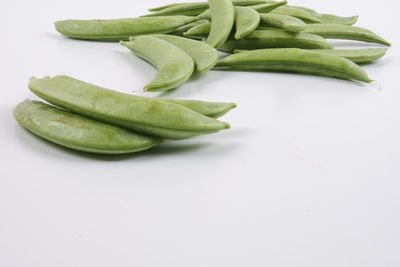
[
  {"x": 181, "y": 30},
  {"x": 142, "y": 114},
  {"x": 359, "y": 56},
  {"x": 204, "y": 56},
  {"x": 199, "y": 31},
  {"x": 222, "y": 19},
  {"x": 246, "y": 20},
  {"x": 294, "y": 60},
  {"x": 210, "y": 109},
  {"x": 347, "y": 32},
  {"x": 330, "y": 18},
  {"x": 284, "y": 22},
  {"x": 187, "y": 9},
  {"x": 277, "y": 39},
  {"x": 260, "y": 8},
  {"x": 77, "y": 132},
  {"x": 173, "y": 64},
  {"x": 205, "y": 4},
  {"x": 297, "y": 13},
  {"x": 119, "y": 29}
]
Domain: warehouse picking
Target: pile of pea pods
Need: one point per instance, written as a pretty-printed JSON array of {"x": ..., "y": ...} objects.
[{"x": 179, "y": 39}]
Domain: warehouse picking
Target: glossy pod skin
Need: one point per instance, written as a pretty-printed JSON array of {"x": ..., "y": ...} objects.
[
  {"x": 205, "y": 4},
  {"x": 222, "y": 19},
  {"x": 294, "y": 60},
  {"x": 284, "y": 22},
  {"x": 346, "y": 32},
  {"x": 119, "y": 29},
  {"x": 204, "y": 56},
  {"x": 141, "y": 114},
  {"x": 297, "y": 13},
  {"x": 276, "y": 39},
  {"x": 359, "y": 56},
  {"x": 246, "y": 21},
  {"x": 173, "y": 64},
  {"x": 210, "y": 109},
  {"x": 77, "y": 132}
]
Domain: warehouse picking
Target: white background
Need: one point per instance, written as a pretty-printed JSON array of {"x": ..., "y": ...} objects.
[{"x": 308, "y": 176}]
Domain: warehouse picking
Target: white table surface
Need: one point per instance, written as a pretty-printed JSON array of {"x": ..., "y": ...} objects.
[{"x": 308, "y": 176}]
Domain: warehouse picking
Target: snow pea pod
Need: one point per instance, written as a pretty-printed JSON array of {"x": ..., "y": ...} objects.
[
  {"x": 77, "y": 132},
  {"x": 330, "y": 18},
  {"x": 277, "y": 39},
  {"x": 294, "y": 60},
  {"x": 119, "y": 29},
  {"x": 359, "y": 56},
  {"x": 222, "y": 19},
  {"x": 173, "y": 64},
  {"x": 261, "y": 8},
  {"x": 297, "y": 13},
  {"x": 246, "y": 21},
  {"x": 204, "y": 56},
  {"x": 181, "y": 30},
  {"x": 205, "y": 4},
  {"x": 198, "y": 31},
  {"x": 210, "y": 109},
  {"x": 141, "y": 114},
  {"x": 287, "y": 23},
  {"x": 347, "y": 32}
]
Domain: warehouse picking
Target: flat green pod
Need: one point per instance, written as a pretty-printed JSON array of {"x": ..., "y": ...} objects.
[
  {"x": 187, "y": 9},
  {"x": 346, "y": 32},
  {"x": 297, "y": 13},
  {"x": 260, "y": 39},
  {"x": 205, "y": 4},
  {"x": 210, "y": 109},
  {"x": 330, "y": 18},
  {"x": 260, "y": 8},
  {"x": 246, "y": 21},
  {"x": 181, "y": 30},
  {"x": 204, "y": 56},
  {"x": 222, "y": 19},
  {"x": 119, "y": 29},
  {"x": 77, "y": 132},
  {"x": 294, "y": 60},
  {"x": 284, "y": 22},
  {"x": 173, "y": 64},
  {"x": 141, "y": 114},
  {"x": 359, "y": 56},
  {"x": 198, "y": 31}
]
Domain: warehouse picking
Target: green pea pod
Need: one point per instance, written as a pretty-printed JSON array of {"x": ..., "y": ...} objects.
[
  {"x": 359, "y": 56},
  {"x": 347, "y": 32},
  {"x": 330, "y": 18},
  {"x": 173, "y": 64},
  {"x": 284, "y": 22},
  {"x": 198, "y": 31},
  {"x": 294, "y": 60},
  {"x": 119, "y": 29},
  {"x": 222, "y": 19},
  {"x": 277, "y": 39},
  {"x": 210, "y": 109},
  {"x": 261, "y": 8},
  {"x": 297, "y": 13},
  {"x": 181, "y": 30},
  {"x": 141, "y": 114},
  {"x": 205, "y": 4},
  {"x": 246, "y": 20},
  {"x": 204, "y": 56},
  {"x": 79, "y": 133},
  {"x": 187, "y": 9}
]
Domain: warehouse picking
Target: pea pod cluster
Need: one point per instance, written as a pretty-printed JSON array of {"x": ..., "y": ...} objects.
[
  {"x": 179, "y": 40},
  {"x": 93, "y": 119}
]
